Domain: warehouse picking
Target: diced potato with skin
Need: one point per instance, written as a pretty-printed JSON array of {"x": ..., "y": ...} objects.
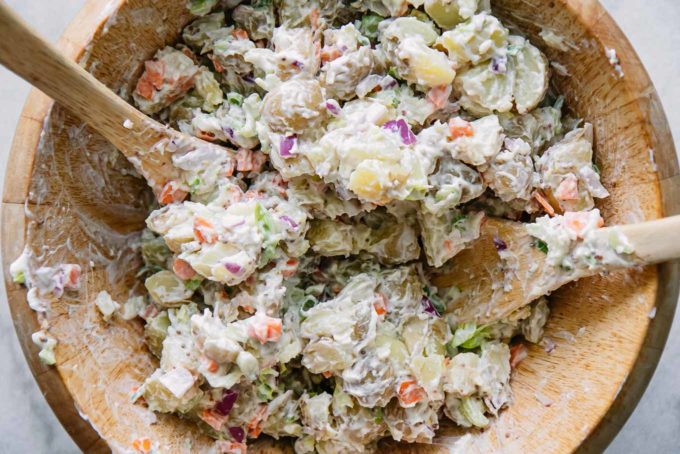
[
  {"x": 331, "y": 238},
  {"x": 409, "y": 27},
  {"x": 483, "y": 92},
  {"x": 294, "y": 106},
  {"x": 520, "y": 82},
  {"x": 475, "y": 40},
  {"x": 428, "y": 67},
  {"x": 167, "y": 290},
  {"x": 532, "y": 77},
  {"x": 460, "y": 377},
  {"x": 511, "y": 172},
  {"x": 448, "y": 13}
]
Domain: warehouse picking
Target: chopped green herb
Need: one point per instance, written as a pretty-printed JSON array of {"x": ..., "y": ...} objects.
[
  {"x": 451, "y": 350},
  {"x": 235, "y": 99},
  {"x": 201, "y": 7},
  {"x": 392, "y": 71},
  {"x": 194, "y": 184},
  {"x": 596, "y": 169},
  {"x": 369, "y": 25},
  {"x": 541, "y": 246},
  {"x": 421, "y": 16},
  {"x": 395, "y": 103},
  {"x": 264, "y": 390},
  {"x": 458, "y": 222},
  {"x": 20, "y": 278},
  {"x": 193, "y": 284},
  {"x": 267, "y": 227},
  {"x": 378, "y": 415},
  {"x": 469, "y": 336}
]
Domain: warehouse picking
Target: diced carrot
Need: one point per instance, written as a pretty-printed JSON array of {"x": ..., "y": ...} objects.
[
  {"x": 72, "y": 275},
  {"x": 182, "y": 269},
  {"x": 155, "y": 73},
  {"x": 212, "y": 366},
  {"x": 204, "y": 230},
  {"x": 291, "y": 267},
  {"x": 460, "y": 128},
  {"x": 230, "y": 447},
  {"x": 244, "y": 160},
  {"x": 327, "y": 374},
  {"x": 218, "y": 66},
  {"x": 265, "y": 329},
  {"x": 544, "y": 203},
  {"x": 410, "y": 392},
  {"x": 577, "y": 222},
  {"x": 229, "y": 167},
  {"x": 211, "y": 418},
  {"x": 255, "y": 424},
  {"x": 517, "y": 354},
  {"x": 186, "y": 51},
  {"x": 172, "y": 193},
  {"x": 439, "y": 95},
  {"x": 567, "y": 189},
  {"x": 330, "y": 54},
  {"x": 240, "y": 33},
  {"x": 380, "y": 304},
  {"x": 142, "y": 445},
  {"x": 144, "y": 88},
  {"x": 205, "y": 135},
  {"x": 259, "y": 160},
  {"x": 448, "y": 245}
]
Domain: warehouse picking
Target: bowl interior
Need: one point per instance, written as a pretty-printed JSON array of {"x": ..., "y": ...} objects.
[{"x": 85, "y": 206}]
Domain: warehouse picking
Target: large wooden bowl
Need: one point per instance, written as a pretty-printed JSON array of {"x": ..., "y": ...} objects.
[{"x": 69, "y": 196}]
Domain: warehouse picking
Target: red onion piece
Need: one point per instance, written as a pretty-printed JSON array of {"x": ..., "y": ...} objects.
[
  {"x": 233, "y": 268},
  {"x": 286, "y": 146},
  {"x": 500, "y": 244},
  {"x": 333, "y": 108},
  {"x": 238, "y": 434},
  {"x": 289, "y": 221},
  {"x": 224, "y": 406},
  {"x": 429, "y": 307},
  {"x": 401, "y": 127}
]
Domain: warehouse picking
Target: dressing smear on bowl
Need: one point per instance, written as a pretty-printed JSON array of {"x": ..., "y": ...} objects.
[{"x": 285, "y": 280}]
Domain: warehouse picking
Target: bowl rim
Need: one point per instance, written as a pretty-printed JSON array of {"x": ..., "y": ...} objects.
[{"x": 81, "y": 31}]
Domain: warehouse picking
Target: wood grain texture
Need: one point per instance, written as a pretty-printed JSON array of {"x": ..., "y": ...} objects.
[{"x": 606, "y": 345}]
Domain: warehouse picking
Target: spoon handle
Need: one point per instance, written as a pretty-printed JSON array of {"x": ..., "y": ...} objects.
[
  {"x": 654, "y": 241},
  {"x": 38, "y": 62}
]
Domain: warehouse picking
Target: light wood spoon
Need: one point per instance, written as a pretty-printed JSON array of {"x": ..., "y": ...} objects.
[
  {"x": 491, "y": 287},
  {"x": 145, "y": 142}
]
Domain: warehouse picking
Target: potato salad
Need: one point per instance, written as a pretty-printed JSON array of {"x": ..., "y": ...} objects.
[{"x": 286, "y": 274}]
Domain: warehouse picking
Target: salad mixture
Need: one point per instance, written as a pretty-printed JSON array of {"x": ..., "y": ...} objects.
[{"x": 364, "y": 144}]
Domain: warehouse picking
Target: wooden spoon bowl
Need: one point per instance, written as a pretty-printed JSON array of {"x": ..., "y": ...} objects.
[{"x": 69, "y": 197}]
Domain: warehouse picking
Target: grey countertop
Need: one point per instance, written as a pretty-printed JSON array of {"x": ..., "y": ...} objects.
[{"x": 29, "y": 426}]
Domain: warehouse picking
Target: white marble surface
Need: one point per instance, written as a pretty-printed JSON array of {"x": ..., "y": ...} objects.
[{"x": 29, "y": 426}]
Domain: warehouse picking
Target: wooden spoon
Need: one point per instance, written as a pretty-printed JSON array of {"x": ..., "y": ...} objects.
[
  {"x": 145, "y": 142},
  {"x": 491, "y": 287}
]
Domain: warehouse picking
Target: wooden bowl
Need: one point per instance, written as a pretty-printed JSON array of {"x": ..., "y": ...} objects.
[{"x": 69, "y": 197}]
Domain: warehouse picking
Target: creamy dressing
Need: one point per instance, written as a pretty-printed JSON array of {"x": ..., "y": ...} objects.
[{"x": 283, "y": 292}]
